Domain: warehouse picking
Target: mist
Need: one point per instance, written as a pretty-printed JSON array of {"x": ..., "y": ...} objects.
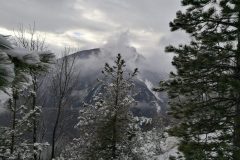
[{"x": 155, "y": 61}]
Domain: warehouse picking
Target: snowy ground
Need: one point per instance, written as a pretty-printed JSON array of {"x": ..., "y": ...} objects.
[{"x": 170, "y": 148}]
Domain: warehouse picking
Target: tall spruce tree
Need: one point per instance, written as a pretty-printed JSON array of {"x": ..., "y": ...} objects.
[
  {"x": 107, "y": 126},
  {"x": 205, "y": 91}
]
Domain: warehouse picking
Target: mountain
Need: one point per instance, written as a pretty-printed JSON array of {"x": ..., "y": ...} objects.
[
  {"x": 88, "y": 66},
  {"x": 85, "y": 54}
]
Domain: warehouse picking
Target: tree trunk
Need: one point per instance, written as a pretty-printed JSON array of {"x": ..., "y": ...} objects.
[
  {"x": 236, "y": 134},
  {"x": 114, "y": 138},
  {"x": 55, "y": 130},
  {"x": 236, "y": 138},
  {"x": 34, "y": 127},
  {"x": 13, "y": 122}
]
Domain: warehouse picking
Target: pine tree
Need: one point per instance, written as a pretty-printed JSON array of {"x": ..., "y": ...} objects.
[
  {"x": 107, "y": 127},
  {"x": 13, "y": 143},
  {"x": 119, "y": 123},
  {"x": 35, "y": 44},
  {"x": 205, "y": 92}
]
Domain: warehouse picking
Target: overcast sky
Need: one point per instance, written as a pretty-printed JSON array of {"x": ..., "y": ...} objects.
[{"x": 87, "y": 24}]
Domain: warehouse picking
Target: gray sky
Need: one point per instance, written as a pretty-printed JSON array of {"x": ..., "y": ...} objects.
[{"x": 87, "y": 24}]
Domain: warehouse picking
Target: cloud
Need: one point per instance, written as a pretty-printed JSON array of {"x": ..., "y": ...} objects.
[
  {"x": 89, "y": 24},
  {"x": 85, "y": 24},
  {"x": 125, "y": 26},
  {"x": 154, "y": 67}
]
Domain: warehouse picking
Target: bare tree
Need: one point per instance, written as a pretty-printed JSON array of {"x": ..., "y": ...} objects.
[
  {"x": 62, "y": 80},
  {"x": 29, "y": 38}
]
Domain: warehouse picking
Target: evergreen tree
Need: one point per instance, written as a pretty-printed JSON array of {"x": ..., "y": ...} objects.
[
  {"x": 35, "y": 44},
  {"x": 107, "y": 127},
  {"x": 205, "y": 91},
  {"x": 14, "y": 144}
]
